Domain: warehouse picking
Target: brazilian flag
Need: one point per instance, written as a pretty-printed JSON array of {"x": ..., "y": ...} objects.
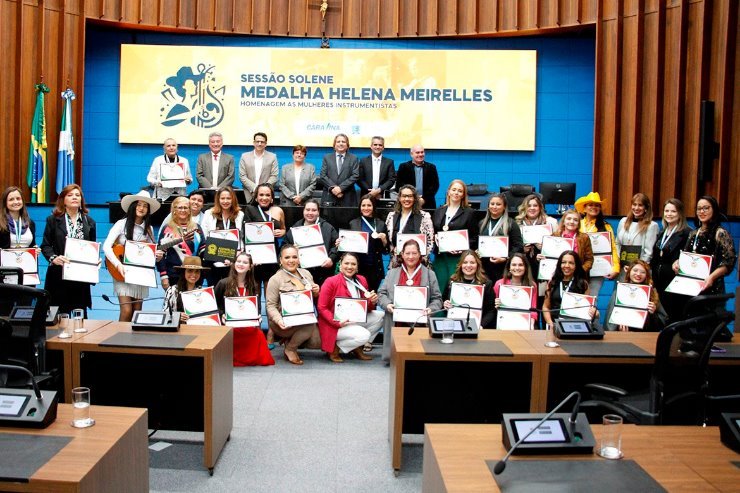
[{"x": 38, "y": 176}]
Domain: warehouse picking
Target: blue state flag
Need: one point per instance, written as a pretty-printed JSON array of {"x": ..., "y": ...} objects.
[
  {"x": 66, "y": 154},
  {"x": 38, "y": 179}
]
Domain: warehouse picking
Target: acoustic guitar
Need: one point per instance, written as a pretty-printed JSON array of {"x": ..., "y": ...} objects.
[{"x": 118, "y": 250}]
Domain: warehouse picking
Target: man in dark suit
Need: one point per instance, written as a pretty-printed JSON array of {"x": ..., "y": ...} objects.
[
  {"x": 339, "y": 173},
  {"x": 421, "y": 175},
  {"x": 215, "y": 163},
  {"x": 377, "y": 173}
]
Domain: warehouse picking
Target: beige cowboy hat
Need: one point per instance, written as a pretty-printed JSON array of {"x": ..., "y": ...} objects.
[
  {"x": 142, "y": 196},
  {"x": 591, "y": 198},
  {"x": 192, "y": 262}
]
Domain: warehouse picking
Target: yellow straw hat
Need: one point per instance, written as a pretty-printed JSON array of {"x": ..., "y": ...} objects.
[{"x": 591, "y": 198}]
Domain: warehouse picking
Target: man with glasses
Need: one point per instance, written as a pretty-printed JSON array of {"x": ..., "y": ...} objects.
[{"x": 257, "y": 166}]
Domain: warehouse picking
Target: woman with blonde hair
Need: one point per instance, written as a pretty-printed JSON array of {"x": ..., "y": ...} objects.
[
  {"x": 636, "y": 233},
  {"x": 181, "y": 227},
  {"x": 638, "y": 272}
]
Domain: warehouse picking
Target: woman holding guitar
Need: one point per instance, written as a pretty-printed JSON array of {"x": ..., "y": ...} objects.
[
  {"x": 134, "y": 227},
  {"x": 179, "y": 238}
]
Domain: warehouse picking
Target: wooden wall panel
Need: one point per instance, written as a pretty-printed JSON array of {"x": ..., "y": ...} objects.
[
  {"x": 389, "y": 18},
  {"x": 370, "y": 18},
  {"x": 352, "y": 18},
  {"x": 467, "y": 17}
]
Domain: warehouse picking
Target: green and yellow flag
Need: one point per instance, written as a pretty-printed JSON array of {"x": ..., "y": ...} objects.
[{"x": 38, "y": 179}]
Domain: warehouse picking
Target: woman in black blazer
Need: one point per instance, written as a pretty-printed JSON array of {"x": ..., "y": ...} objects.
[
  {"x": 17, "y": 230},
  {"x": 69, "y": 219},
  {"x": 667, "y": 249},
  {"x": 371, "y": 263}
]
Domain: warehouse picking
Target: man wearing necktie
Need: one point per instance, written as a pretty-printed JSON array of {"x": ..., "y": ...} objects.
[
  {"x": 215, "y": 169},
  {"x": 377, "y": 172},
  {"x": 340, "y": 171},
  {"x": 420, "y": 174}
]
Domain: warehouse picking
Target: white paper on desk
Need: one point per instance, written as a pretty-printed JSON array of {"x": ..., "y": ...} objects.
[
  {"x": 409, "y": 316},
  {"x": 513, "y": 320},
  {"x": 304, "y": 236},
  {"x": 461, "y": 313},
  {"x": 466, "y": 294},
  {"x": 259, "y": 232},
  {"x": 633, "y": 295},
  {"x": 686, "y": 285},
  {"x": 602, "y": 265},
  {"x": 493, "y": 246},
  {"x": 25, "y": 258},
  {"x": 515, "y": 297},
  {"x": 628, "y": 316},
  {"x": 82, "y": 251},
  {"x": 351, "y": 309},
  {"x": 420, "y": 239},
  {"x": 141, "y": 276},
  {"x": 353, "y": 241},
  {"x": 172, "y": 175},
  {"x": 547, "y": 268},
  {"x": 79, "y": 272},
  {"x": 554, "y": 246},
  {"x": 453, "y": 241},
  {"x": 532, "y": 234},
  {"x": 576, "y": 305},
  {"x": 140, "y": 254},
  {"x": 601, "y": 242},
  {"x": 241, "y": 311},
  {"x": 199, "y": 301},
  {"x": 312, "y": 256},
  {"x": 410, "y": 297},
  {"x": 694, "y": 265},
  {"x": 262, "y": 253},
  {"x": 211, "y": 319}
]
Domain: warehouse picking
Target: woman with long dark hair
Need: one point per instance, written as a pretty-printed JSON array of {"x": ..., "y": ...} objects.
[
  {"x": 593, "y": 221},
  {"x": 636, "y": 233},
  {"x": 517, "y": 273},
  {"x": 469, "y": 270},
  {"x": 17, "y": 230},
  {"x": 498, "y": 223},
  {"x": 638, "y": 272},
  {"x": 190, "y": 279},
  {"x": 371, "y": 263},
  {"x": 408, "y": 218},
  {"x": 224, "y": 215},
  {"x": 570, "y": 277}
]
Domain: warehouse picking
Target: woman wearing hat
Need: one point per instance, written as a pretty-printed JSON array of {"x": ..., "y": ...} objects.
[
  {"x": 136, "y": 226},
  {"x": 190, "y": 279},
  {"x": 593, "y": 221}
]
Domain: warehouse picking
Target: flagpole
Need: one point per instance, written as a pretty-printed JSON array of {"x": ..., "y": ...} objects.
[
  {"x": 66, "y": 154},
  {"x": 37, "y": 172}
]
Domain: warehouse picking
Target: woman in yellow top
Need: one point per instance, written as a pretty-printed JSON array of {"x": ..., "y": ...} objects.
[{"x": 593, "y": 222}]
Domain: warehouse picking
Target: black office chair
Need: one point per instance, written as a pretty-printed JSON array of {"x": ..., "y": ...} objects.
[
  {"x": 11, "y": 275},
  {"x": 679, "y": 383},
  {"x": 515, "y": 194}
]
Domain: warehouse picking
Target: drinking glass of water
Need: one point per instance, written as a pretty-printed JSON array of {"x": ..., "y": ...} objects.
[
  {"x": 64, "y": 332},
  {"x": 78, "y": 320},
  {"x": 81, "y": 404}
]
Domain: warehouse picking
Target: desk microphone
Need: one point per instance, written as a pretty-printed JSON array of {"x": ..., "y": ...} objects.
[
  {"x": 107, "y": 298},
  {"x": 467, "y": 317},
  {"x": 30, "y": 378},
  {"x": 501, "y": 465},
  {"x": 413, "y": 325}
]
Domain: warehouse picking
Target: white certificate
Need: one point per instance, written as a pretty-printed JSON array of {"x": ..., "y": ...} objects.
[
  {"x": 628, "y": 316},
  {"x": 141, "y": 276},
  {"x": 225, "y": 234},
  {"x": 82, "y": 251},
  {"x": 460, "y": 313},
  {"x": 25, "y": 258},
  {"x": 685, "y": 285},
  {"x": 553, "y": 246},
  {"x": 547, "y": 269},
  {"x": 420, "y": 238},
  {"x": 211, "y": 319},
  {"x": 601, "y": 242},
  {"x": 307, "y": 235},
  {"x": 694, "y": 265},
  {"x": 602, "y": 265},
  {"x": 576, "y": 305},
  {"x": 409, "y": 316},
  {"x": 172, "y": 175},
  {"x": 410, "y": 297},
  {"x": 534, "y": 233},
  {"x": 466, "y": 294},
  {"x": 199, "y": 301},
  {"x": 81, "y": 272},
  {"x": 140, "y": 254},
  {"x": 296, "y": 308},
  {"x": 241, "y": 311},
  {"x": 513, "y": 320},
  {"x": 353, "y": 241},
  {"x": 259, "y": 233},
  {"x": 632, "y": 295},
  {"x": 312, "y": 256},
  {"x": 493, "y": 246},
  {"x": 515, "y": 297},
  {"x": 453, "y": 241},
  {"x": 351, "y": 309},
  {"x": 262, "y": 253}
]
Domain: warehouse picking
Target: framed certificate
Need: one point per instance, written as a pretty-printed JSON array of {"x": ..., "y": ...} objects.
[
  {"x": 409, "y": 304},
  {"x": 353, "y": 241},
  {"x": 262, "y": 253},
  {"x": 241, "y": 311},
  {"x": 461, "y": 313},
  {"x": 601, "y": 242},
  {"x": 141, "y": 276},
  {"x": 493, "y": 246},
  {"x": 630, "y": 317},
  {"x": 307, "y": 235},
  {"x": 694, "y": 265},
  {"x": 296, "y": 307},
  {"x": 420, "y": 238},
  {"x": 81, "y": 272},
  {"x": 554, "y": 246},
  {"x": 632, "y": 295},
  {"x": 515, "y": 297},
  {"x": 172, "y": 175},
  {"x": 466, "y": 294},
  {"x": 312, "y": 256},
  {"x": 87, "y": 252},
  {"x": 210, "y": 319},
  {"x": 576, "y": 305},
  {"x": 453, "y": 241},
  {"x": 603, "y": 265},
  {"x": 534, "y": 233},
  {"x": 350, "y": 309},
  {"x": 26, "y": 259},
  {"x": 686, "y": 285},
  {"x": 199, "y": 301},
  {"x": 547, "y": 269},
  {"x": 140, "y": 254},
  {"x": 262, "y": 232},
  {"x": 513, "y": 320}
]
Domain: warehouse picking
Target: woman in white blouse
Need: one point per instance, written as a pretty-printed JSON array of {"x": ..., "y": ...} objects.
[
  {"x": 224, "y": 215},
  {"x": 636, "y": 233},
  {"x": 297, "y": 179}
]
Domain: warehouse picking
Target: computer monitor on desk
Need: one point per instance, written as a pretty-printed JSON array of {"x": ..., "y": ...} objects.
[{"x": 558, "y": 193}]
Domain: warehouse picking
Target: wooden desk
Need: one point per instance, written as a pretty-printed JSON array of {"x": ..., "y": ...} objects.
[
  {"x": 680, "y": 458},
  {"x": 190, "y": 389},
  {"x": 59, "y": 352},
  {"x": 111, "y": 456}
]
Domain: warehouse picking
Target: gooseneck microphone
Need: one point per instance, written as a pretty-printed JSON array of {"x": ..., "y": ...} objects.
[
  {"x": 467, "y": 317},
  {"x": 501, "y": 465},
  {"x": 413, "y": 325},
  {"x": 107, "y": 298},
  {"x": 21, "y": 369}
]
